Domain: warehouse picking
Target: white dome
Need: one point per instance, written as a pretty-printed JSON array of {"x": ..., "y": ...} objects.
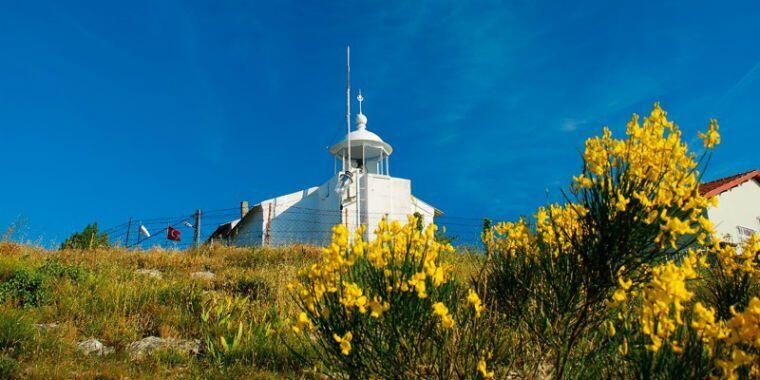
[
  {"x": 361, "y": 120},
  {"x": 373, "y": 145},
  {"x": 361, "y": 137}
]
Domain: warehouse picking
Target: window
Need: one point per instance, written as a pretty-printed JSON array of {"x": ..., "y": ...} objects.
[{"x": 745, "y": 233}]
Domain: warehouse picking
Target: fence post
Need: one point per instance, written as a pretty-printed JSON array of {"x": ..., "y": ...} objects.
[
  {"x": 129, "y": 228},
  {"x": 269, "y": 222},
  {"x": 197, "y": 229}
]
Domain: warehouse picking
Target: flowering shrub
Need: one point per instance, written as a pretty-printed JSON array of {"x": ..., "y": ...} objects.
[
  {"x": 678, "y": 330},
  {"x": 389, "y": 308},
  {"x": 734, "y": 276},
  {"x": 635, "y": 205},
  {"x": 625, "y": 279}
]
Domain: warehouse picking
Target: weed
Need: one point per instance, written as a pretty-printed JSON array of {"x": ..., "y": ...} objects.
[
  {"x": 55, "y": 268},
  {"x": 15, "y": 332},
  {"x": 254, "y": 288},
  {"x": 9, "y": 367},
  {"x": 26, "y": 287}
]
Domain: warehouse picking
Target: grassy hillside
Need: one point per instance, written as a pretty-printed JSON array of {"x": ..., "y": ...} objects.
[
  {"x": 626, "y": 279},
  {"x": 108, "y": 295}
]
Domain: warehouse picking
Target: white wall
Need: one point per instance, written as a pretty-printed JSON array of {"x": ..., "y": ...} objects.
[
  {"x": 739, "y": 206},
  {"x": 304, "y": 217},
  {"x": 308, "y": 216},
  {"x": 249, "y": 231},
  {"x": 392, "y": 197}
]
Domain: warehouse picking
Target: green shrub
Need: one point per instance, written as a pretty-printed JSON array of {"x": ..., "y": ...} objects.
[
  {"x": 254, "y": 288},
  {"x": 233, "y": 335},
  {"x": 691, "y": 362},
  {"x": 8, "y": 367},
  {"x": 170, "y": 357},
  {"x": 89, "y": 238},
  {"x": 25, "y": 287},
  {"x": 55, "y": 268},
  {"x": 725, "y": 285},
  {"x": 15, "y": 332}
]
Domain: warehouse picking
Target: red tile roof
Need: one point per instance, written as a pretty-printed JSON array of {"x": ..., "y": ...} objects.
[{"x": 720, "y": 185}]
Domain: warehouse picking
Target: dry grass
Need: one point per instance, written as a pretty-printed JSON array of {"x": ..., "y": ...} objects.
[{"x": 100, "y": 294}]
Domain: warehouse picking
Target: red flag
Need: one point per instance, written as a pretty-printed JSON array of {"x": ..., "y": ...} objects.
[{"x": 172, "y": 233}]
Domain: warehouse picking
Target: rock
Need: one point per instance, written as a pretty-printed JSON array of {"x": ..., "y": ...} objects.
[
  {"x": 43, "y": 327},
  {"x": 203, "y": 275},
  {"x": 149, "y": 272},
  {"x": 93, "y": 346},
  {"x": 152, "y": 343}
]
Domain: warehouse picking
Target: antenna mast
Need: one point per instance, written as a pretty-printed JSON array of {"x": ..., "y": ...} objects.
[{"x": 348, "y": 105}]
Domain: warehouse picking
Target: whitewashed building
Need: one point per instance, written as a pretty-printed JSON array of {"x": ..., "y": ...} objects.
[
  {"x": 737, "y": 216},
  {"x": 361, "y": 191}
]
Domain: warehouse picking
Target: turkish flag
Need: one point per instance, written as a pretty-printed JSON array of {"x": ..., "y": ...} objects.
[{"x": 172, "y": 233}]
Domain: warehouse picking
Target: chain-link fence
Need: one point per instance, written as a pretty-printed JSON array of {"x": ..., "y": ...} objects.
[{"x": 295, "y": 225}]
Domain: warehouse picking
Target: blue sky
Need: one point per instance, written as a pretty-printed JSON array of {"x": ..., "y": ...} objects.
[{"x": 151, "y": 109}]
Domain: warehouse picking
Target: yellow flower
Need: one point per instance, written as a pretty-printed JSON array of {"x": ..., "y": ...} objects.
[
  {"x": 623, "y": 349},
  {"x": 442, "y": 311},
  {"x": 582, "y": 181},
  {"x": 611, "y": 328},
  {"x": 303, "y": 323},
  {"x": 621, "y": 202},
  {"x": 619, "y": 296},
  {"x": 418, "y": 281},
  {"x": 483, "y": 370},
  {"x": 353, "y": 297},
  {"x": 438, "y": 275},
  {"x": 474, "y": 300},
  {"x": 378, "y": 307},
  {"x": 662, "y": 306},
  {"x": 344, "y": 341},
  {"x": 447, "y": 322},
  {"x": 711, "y": 138},
  {"x": 624, "y": 284}
]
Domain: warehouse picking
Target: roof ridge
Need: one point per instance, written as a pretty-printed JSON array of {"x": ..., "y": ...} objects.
[{"x": 721, "y": 185}]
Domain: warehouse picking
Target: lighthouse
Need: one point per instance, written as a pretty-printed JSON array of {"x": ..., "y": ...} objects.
[{"x": 360, "y": 192}]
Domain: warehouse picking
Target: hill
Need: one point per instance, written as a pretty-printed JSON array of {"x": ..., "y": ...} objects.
[{"x": 55, "y": 300}]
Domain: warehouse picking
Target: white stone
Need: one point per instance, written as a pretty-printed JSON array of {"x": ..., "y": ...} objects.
[
  {"x": 46, "y": 326},
  {"x": 203, "y": 275},
  {"x": 150, "y": 272},
  {"x": 93, "y": 347},
  {"x": 148, "y": 345}
]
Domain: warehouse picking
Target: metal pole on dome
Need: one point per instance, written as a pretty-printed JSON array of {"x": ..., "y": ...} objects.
[
  {"x": 348, "y": 118},
  {"x": 348, "y": 104}
]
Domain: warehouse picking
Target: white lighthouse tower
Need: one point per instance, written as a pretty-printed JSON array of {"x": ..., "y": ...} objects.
[
  {"x": 360, "y": 192},
  {"x": 362, "y": 168}
]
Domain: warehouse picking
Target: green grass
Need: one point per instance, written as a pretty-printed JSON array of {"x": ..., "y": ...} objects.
[{"x": 97, "y": 293}]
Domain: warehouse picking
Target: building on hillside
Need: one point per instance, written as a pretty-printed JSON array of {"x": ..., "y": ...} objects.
[
  {"x": 360, "y": 192},
  {"x": 737, "y": 216}
]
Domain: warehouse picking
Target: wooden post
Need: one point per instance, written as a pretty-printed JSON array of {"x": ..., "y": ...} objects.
[
  {"x": 139, "y": 234},
  {"x": 269, "y": 223},
  {"x": 197, "y": 229},
  {"x": 129, "y": 228}
]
